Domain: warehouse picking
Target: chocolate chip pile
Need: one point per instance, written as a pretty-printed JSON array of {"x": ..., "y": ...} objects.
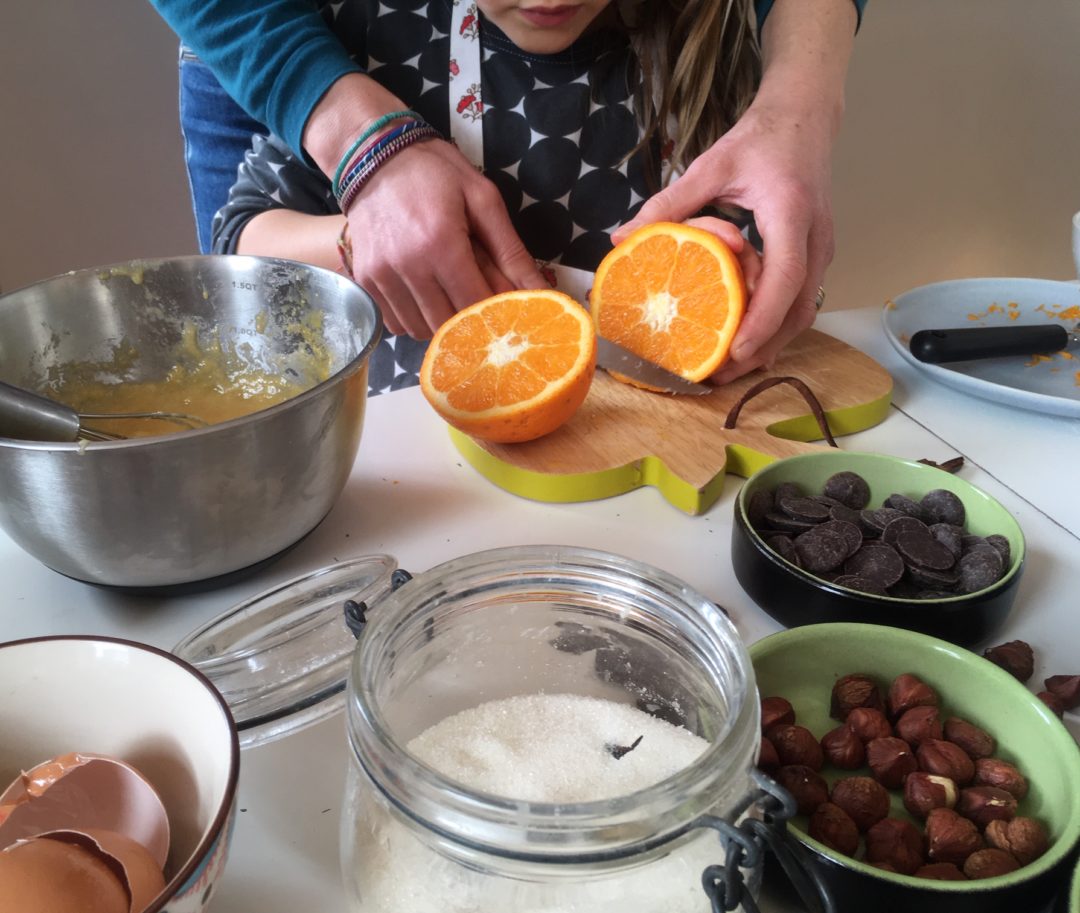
[
  {"x": 905, "y": 548},
  {"x": 962, "y": 799}
]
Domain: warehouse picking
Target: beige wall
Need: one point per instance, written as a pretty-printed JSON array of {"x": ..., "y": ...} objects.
[{"x": 960, "y": 153}]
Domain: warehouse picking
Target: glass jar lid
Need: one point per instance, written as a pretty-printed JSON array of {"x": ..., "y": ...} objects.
[{"x": 281, "y": 658}]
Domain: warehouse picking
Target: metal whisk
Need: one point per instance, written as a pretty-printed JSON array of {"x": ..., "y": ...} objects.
[{"x": 32, "y": 417}]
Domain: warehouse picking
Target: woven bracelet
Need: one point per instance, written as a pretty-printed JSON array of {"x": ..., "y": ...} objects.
[
  {"x": 372, "y": 149},
  {"x": 373, "y": 161},
  {"x": 372, "y": 129}
]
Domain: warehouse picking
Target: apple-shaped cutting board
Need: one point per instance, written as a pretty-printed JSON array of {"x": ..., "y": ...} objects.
[{"x": 623, "y": 437}]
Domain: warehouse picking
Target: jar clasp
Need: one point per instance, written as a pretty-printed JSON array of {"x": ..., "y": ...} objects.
[{"x": 744, "y": 848}]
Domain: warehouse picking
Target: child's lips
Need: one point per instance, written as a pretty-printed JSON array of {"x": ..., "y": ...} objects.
[{"x": 548, "y": 16}]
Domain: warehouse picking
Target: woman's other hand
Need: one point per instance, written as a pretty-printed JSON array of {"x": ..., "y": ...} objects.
[{"x": 775, "y": 162}]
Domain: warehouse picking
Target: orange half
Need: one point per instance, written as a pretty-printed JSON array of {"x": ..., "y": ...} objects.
[
  {"x": 512, "y": 367},
  {"x": 672, "y": 294}
]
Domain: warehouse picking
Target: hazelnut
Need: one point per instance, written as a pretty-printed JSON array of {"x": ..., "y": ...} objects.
[
  {"x": 768, "y": 760},
  {"x": 896, "y": 842},
  {"x": 776, "y": 711},
  {"x": 1025, "y": 838},
  {"x": 796, "y": 745},
  {"x": 1002, "y": 774},
  {"x": 918, "y": 724},
  {"x": 1055, "y": 703},
  {"x": 950, "y": 837},
  {"x": 1066, "y": 688},
  {"x": 907, "y": 691},
  {"x": 923, "y": 792},
  {"x": 940, "y": 871},
  {"x": 868, "y": 724},
  {"x": 832, "y": 826},
  {"x": 891, "y": 760},
  {"x": 983, "y": 804},
  {"x": 805, "y": 784},
  {"x": 864, "y": 799},
  {"x": 936, "y": 756},
  {"x": 989, "y": 862},
  {"x": 843, "y": 748},
  {"x": 851, "y": 691},
  {"x": 1015, "y": 657},
  {"x": 885, "y": 867},
  {"x": 977, "y": 743}
]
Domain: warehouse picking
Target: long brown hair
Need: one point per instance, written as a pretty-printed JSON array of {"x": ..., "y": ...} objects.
[{"x": 700, "y": 65}]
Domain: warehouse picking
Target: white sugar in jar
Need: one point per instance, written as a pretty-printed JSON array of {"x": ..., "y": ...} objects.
[{"x": 494, "y": 711}]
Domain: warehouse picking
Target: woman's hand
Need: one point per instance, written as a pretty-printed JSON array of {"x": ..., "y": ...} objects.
[
  {"x": 430, "y": 235},
  {"x": 775, "y": 162},
  {"x": 779, "y": 170}
]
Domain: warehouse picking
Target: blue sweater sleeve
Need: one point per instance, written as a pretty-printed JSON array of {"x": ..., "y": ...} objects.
[{"x": 276, "y": 58}]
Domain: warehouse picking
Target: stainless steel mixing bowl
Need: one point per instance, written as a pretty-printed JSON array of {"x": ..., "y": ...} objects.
[{"x": 191, "y": 506}]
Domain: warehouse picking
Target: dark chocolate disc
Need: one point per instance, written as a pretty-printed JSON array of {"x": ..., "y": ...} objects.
[
  {"x": 904, "y": 524},
  {"x": 784, "y": 547},
  {"x": 758, "y": 505},
  {"x": 923, "y": 550},
  {"x": 942, "y": 506},
  {"x": 850, "y": 532},
  {"x": 862, "y": 584},
  {"x": 869, "y": 523},
  {"x": 847, "y": 514},
  {"x": 978, "y": 569},
  {"x": 950, "y": 536},
  {"x": 821, "y": 549},
  {"x": 880, "y": 563},
  {"x": 928, "y": 577},
  {"x": 804, "y": 509},
  {"x": 904, "y": 504},
  {"x": 1002, "y": 545},
  {"x": 778, "y": 521},
  {"x": 883, "y": 516},
  {"x": 849, "y": 488}
]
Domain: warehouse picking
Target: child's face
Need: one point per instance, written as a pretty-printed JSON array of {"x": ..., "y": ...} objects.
[{"x": 543, "y": 26}]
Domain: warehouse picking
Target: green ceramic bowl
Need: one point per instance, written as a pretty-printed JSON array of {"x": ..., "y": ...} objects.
[
  {"x": 802, "y": 664},
  {"x": 794, "y": 596}
]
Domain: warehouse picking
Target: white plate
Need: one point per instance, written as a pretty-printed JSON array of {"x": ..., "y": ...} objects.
[{"x": 1050, "y": 385}]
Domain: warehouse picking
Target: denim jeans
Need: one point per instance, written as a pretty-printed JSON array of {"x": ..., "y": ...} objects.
[{"x": 217, "y": 132}]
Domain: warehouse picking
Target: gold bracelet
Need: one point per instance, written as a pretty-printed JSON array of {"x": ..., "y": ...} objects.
[{"x": 344, "y": 247}]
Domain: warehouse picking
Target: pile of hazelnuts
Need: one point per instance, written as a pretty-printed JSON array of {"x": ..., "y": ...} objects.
[{"x": 944, "y": 766}]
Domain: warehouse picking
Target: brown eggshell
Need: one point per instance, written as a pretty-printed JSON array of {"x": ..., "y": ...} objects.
[
  {"x": 86, "y": 792},
  {"x": 142, "y": 876},
  {"x": 50, "y": 876}
]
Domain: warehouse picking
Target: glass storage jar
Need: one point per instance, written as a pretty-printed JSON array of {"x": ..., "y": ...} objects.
[{"x": 541, "y": 620}]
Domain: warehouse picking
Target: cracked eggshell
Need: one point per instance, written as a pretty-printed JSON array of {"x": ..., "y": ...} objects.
[
  {"x": 85, "y": 792},
  {"x": 50, "y": 876}
]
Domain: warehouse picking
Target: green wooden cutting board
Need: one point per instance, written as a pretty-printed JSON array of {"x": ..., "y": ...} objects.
[{"x": 623, "y": 437}]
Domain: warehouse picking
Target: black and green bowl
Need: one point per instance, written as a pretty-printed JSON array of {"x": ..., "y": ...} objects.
[
  {"x": 793, "y": 596},
  {"x": 802, "y": 664}
]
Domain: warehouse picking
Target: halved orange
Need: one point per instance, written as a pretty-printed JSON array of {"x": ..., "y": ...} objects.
[
  {"x": 512, "y": 367},
  {"x": 672, "y": 294}
]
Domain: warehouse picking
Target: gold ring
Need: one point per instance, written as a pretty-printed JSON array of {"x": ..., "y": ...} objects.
[{"x": 819, "y": 298}]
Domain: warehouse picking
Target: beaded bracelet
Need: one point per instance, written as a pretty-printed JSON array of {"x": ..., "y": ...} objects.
[
  {"x": 362, "y": 174},
  {"x": 372, "y": 129}
]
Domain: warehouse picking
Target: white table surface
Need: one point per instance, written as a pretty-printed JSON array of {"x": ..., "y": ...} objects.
[{"x": 411, "y": 494}]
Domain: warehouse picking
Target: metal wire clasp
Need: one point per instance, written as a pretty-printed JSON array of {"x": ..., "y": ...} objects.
[
  {"x": 744, "y": 850},
  {"x": 356, "y": 612}
]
